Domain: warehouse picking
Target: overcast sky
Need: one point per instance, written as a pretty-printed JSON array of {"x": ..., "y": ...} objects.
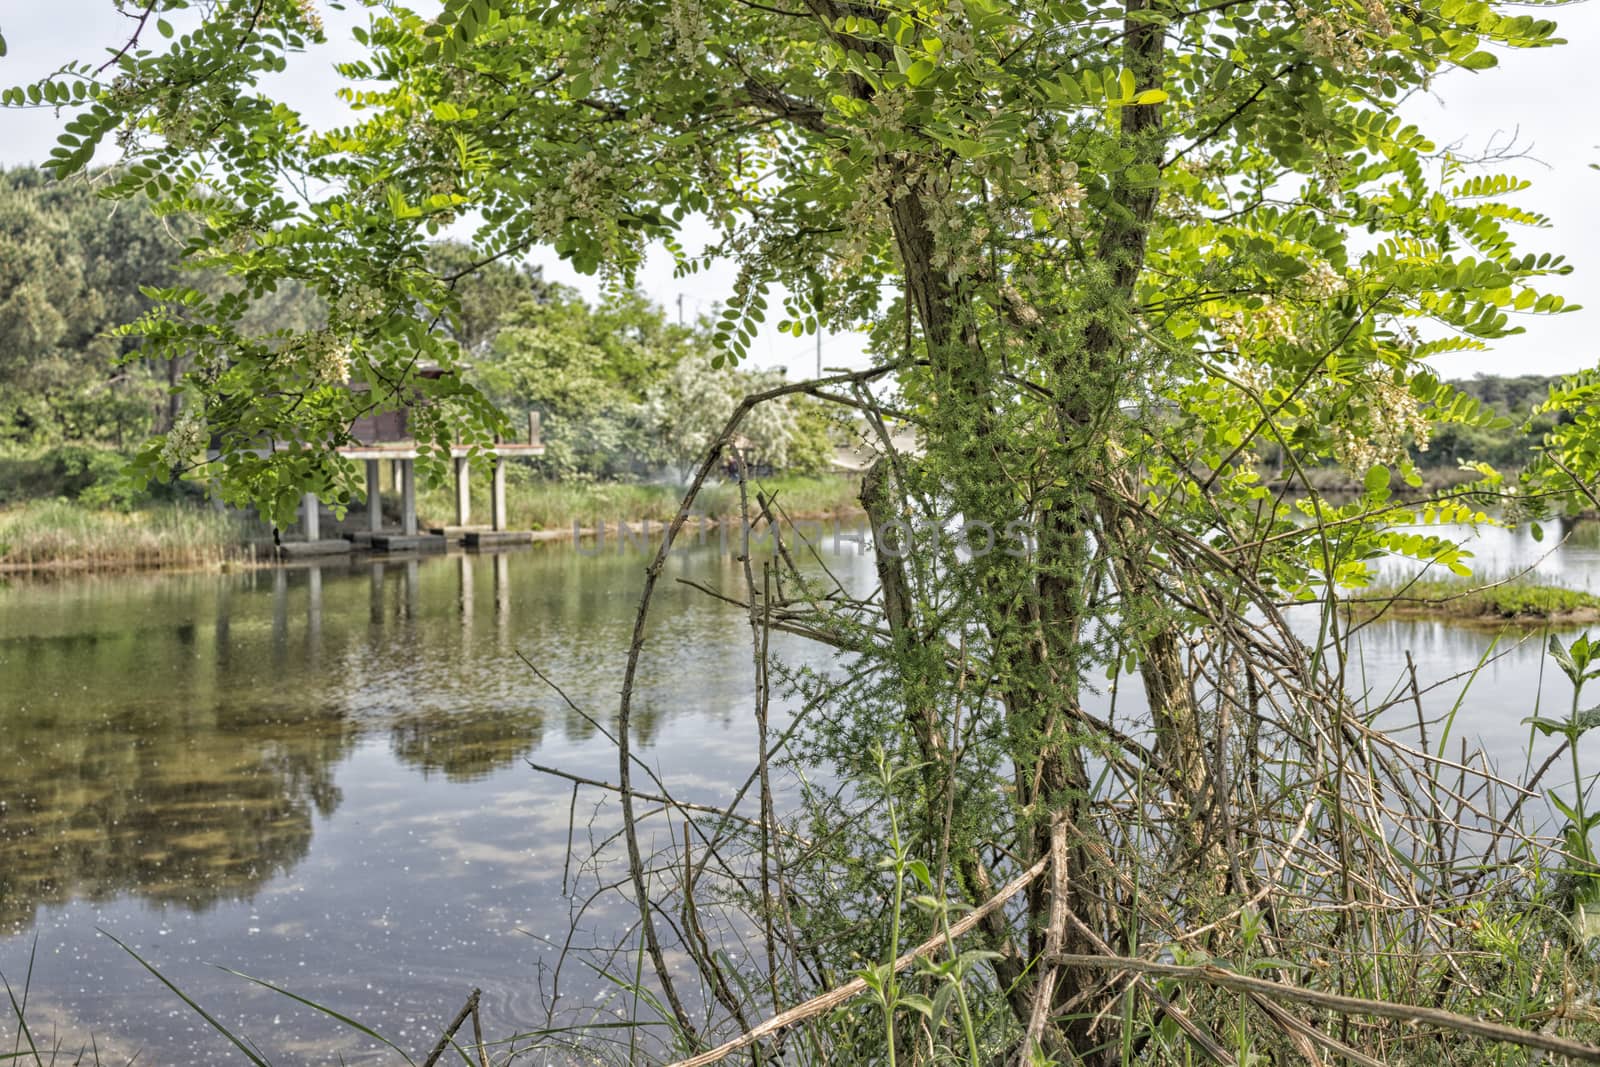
[{"x": 1541, "y": 100}]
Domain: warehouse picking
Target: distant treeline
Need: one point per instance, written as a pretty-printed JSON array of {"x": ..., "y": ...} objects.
[{"x": 1508, "y": 448}]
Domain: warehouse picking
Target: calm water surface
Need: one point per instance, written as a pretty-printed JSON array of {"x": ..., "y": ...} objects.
[{"x": 318, "y": 776}]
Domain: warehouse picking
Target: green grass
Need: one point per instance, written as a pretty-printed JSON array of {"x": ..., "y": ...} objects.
[
  {"x": 543, "y": 505},
  {"x": 1478, "y": 600},
  {"x": 57, "y": 534}
]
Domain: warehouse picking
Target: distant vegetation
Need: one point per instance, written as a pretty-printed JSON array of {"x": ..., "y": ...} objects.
[
  {"x": 1508, "y": 448},
  {"x": 1520, "y": 601},
  {"x": 623, "y": 392}
]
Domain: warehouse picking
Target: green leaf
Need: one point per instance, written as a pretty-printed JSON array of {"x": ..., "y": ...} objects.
[
  {"x": 164, "y": 27},
  {"x": 919, "y": 870},
  {"x": 919, "y": 71},
  {"x": 1377, "y": 481},
  {"x": 1547, "y": 727},
  {"x": 1480, "y": 61}
]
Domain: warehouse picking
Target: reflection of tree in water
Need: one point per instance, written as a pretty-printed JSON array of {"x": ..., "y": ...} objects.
[
  {"x": 176, "y": 806},
  {"x": 465, "y": 745}
]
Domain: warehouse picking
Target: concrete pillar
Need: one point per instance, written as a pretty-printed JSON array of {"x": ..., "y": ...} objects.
[
  {"x": 408, "y": 497},
  {"x": 374, "y": 497},
  {"x": 464, "y": 563},
  {"x": 533, "y": 428},
  {"x": 497, "y": 498},
  {"x": 311, "y": 517},
  {"x": 463, "y": 491}
]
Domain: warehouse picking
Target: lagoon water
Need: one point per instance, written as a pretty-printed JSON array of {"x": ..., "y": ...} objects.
[{"x": 319, "y": 777}]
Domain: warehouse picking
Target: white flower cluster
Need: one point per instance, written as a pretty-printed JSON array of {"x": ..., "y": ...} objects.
[
  {"x": 1378, "y": 18},
  {"x": 188, "y": 433},
  {"x": 687, "y": 26},
  {"x": 1057, "y": 186},
  {"x": 327, "y": 356},
  {"x": 1394, "y": 423},
  {"x": 857, "y": 230},
  {"x": 179, "y": 128},
  {"x": 124, "y": 90},
  {"x": 1332, "y": 39},
  {"x": 585, "y": 185},
  {"x": 958, "y": 239},
  {"x": 309, "y": 15},
  {"x": 954, "y": 34},
  {"x": 1322, "y": 282},
  {"x": 360, "y": 303},
  {"x": 1269, "y": 324}
]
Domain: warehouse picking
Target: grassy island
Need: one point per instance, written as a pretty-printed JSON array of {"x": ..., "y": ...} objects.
[{"x": 1517, "y": 602}]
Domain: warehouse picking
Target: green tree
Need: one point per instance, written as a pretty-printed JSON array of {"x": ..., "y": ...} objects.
[
  {"x": 77, "y": 265},
  {"x": 1126, "y": 240},
  {"x": 586, "y": 371},
  {"x": 489, "y": 294},
  {"x": 689, "y": 408}
]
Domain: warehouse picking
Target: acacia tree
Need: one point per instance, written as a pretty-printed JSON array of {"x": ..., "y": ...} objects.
[{"x": 1125, "y": 241}]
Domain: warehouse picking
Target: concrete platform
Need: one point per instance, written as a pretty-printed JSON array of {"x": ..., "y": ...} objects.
[
  {"x": 300, "y": 549},
  {"x": 362, "y": 539},
  {"x": 395, "y": 542},
  {"x": 491, "y": 538},
  {"x": 458, "y": 533}
]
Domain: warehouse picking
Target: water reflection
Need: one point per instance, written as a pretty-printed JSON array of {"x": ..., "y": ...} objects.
[
  {"x": 184, "y": 806},
  {"x": 1566, "y": 551},
  {"x": 176, "y": 750}
]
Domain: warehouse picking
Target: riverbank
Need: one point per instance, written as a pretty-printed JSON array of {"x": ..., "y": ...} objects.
[
  {"x": 71, "y": 536},
  {"x": 1517, "y": 602}
]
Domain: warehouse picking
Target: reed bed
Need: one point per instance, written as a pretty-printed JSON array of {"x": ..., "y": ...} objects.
[{"x": 58, "y": 535}]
